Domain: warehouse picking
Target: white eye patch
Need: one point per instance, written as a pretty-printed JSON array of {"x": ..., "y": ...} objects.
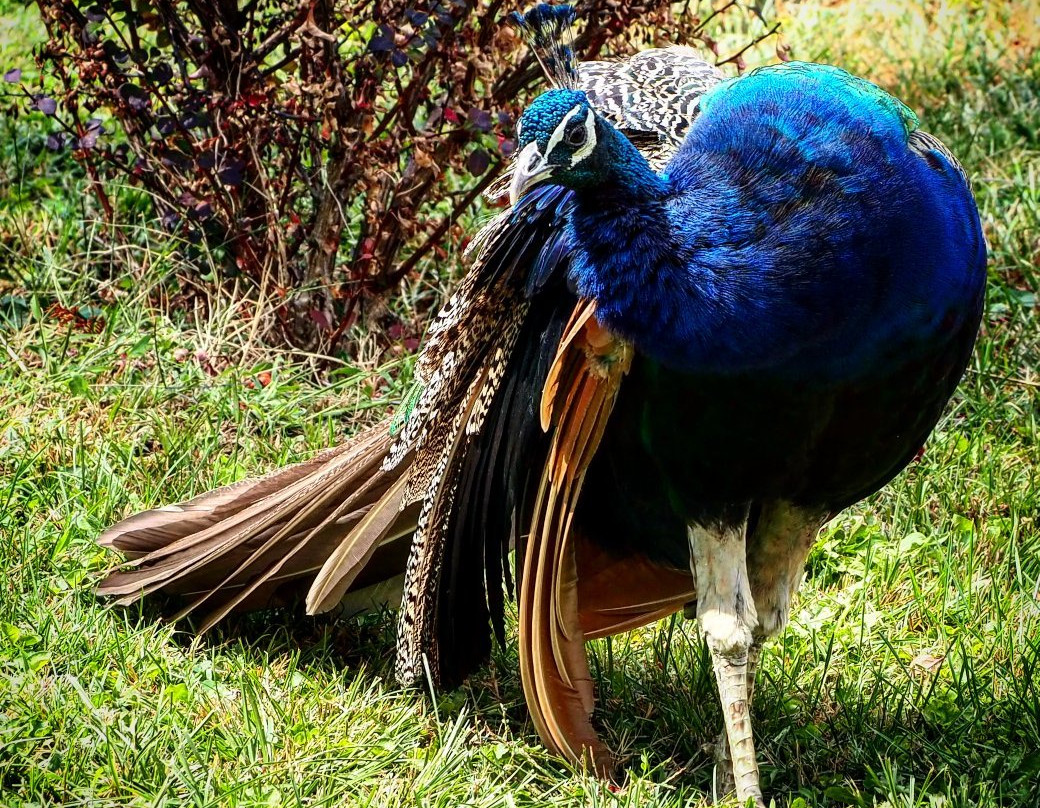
[
  {"x": 590, "y": 139},
  {"x": 561, "y": 131}
]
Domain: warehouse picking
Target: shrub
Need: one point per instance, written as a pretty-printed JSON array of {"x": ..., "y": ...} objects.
[{"x": 324, "y": 148}]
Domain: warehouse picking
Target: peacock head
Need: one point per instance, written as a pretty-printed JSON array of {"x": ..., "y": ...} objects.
[{"x": 560, "y": 138}]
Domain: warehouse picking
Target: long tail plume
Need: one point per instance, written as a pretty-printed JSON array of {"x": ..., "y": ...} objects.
[{"x": 335, "y": 520}]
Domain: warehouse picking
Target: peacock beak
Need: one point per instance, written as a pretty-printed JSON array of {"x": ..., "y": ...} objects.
[{"x": 529, "y": 169}]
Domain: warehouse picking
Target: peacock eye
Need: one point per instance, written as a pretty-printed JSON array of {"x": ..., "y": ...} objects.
[{"x": 576, "y": 136}]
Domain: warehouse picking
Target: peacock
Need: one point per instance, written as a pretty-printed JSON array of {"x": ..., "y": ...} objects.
[{"x": 715, "y": 313}]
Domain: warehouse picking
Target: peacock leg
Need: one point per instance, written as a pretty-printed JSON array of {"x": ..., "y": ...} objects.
[
  {"x": 776, "y": 553},
  {"x": 727, "y": 617},
  {"x": 725, "y": 783},
  {"x": 777, "y": 549}
]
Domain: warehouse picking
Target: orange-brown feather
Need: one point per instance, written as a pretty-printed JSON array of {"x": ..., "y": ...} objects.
[{"x": 578, "y": 396}]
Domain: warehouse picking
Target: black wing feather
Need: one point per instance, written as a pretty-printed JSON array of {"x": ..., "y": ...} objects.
[{"x": 496, "y": 494}]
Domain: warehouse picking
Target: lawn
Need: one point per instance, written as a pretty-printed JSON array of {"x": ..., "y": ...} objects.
[{"x": 910, "y": 674}]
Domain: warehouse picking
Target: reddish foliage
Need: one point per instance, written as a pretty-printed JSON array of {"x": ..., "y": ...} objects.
[
  {"x": 320, "y": 145},
  {"x": 75, "y": 318}
]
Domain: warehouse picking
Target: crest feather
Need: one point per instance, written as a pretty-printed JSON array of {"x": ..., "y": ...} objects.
[{"x": 547, "y": 31}]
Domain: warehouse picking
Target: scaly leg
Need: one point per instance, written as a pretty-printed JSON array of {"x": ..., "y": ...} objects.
[
  {"x": 725, "y": 783},
  {"x": 776, "y": 553},
  {"x": 727, "y": 617}
]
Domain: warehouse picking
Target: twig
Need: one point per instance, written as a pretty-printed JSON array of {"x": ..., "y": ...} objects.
[
  {"x": 750, "y": 45},
  {"x": 716, "y": 12},
  {"x": 442, "y": 228}
]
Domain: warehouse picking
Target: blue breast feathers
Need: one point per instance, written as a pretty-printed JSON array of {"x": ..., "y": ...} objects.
[{"x": 800, "y": 234}]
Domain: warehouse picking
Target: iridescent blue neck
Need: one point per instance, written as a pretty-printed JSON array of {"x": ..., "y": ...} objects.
[{"x": 624, "y": 177}]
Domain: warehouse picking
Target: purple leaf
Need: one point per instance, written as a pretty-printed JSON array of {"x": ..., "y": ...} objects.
[
  {"x": 196, "y": 120},
  {"x": 95, "y": 13},
  {"x": 134, "y": 96},
  {"x": 55, "y": 142},
  {"x": 399, "y": 58},
  {"x": 13, "y": 75},
  {"x": 507, "y": 147},
  {"x": 383, "y": 40},
  {"x": 160, "y": 73},
  {"x": 232, "y": 173},
  {"x": 175, "y": 160},
  {"x": 320, "y": 319},
  {"x": 477, "y": 162},
  {"x": 480, "y": 119},
  {"x": 416, "y": 18},
  {"x": 89, "y": 140},
  {"x": 46, "y": 105}
]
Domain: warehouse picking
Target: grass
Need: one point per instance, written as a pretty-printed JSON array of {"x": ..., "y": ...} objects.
[{"x": 909, "y": 675}]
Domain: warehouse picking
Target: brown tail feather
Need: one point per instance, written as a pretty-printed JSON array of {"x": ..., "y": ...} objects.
[
  {"x": 158, "y": 528},
  {"x": 350, "y": 556},
  {"x": 256, "y": 542},
  {"x": 214, "y": 545}
]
